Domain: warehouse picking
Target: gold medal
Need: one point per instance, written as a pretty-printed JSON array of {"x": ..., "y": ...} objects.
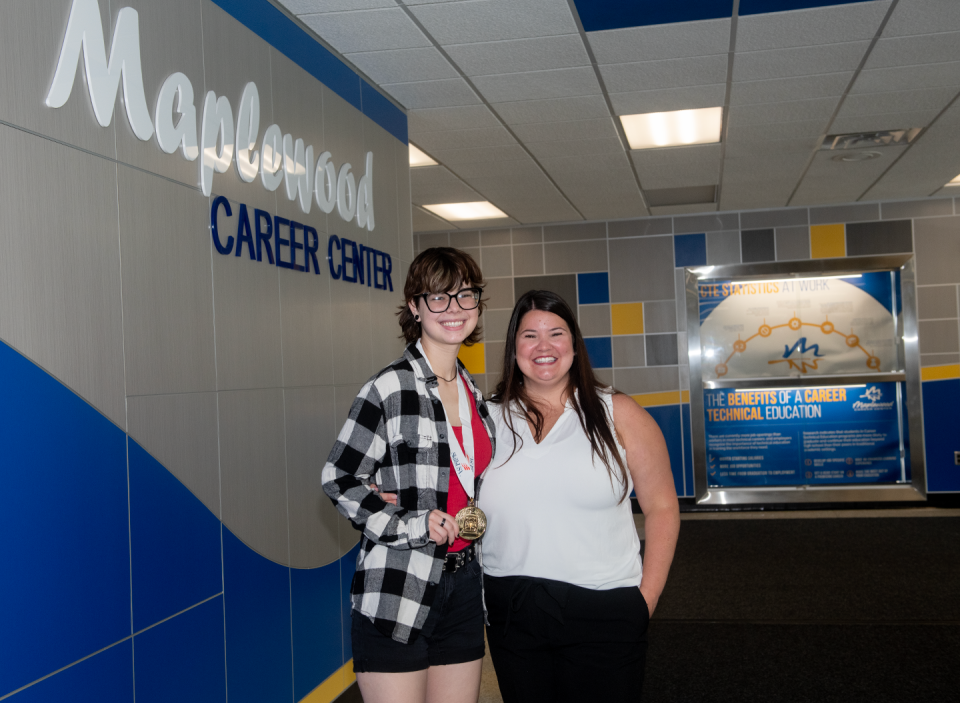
[{"x": 472, "y": 522}]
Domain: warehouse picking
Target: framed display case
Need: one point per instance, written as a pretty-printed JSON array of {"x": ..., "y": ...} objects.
[{"x": 805, "y": 381}]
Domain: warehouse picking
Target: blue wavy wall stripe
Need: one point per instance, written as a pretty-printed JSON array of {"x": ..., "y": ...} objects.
[
  {"x": 65, "y": 587},
  {"x": 106, "y": 677},
  {"x": 256, "y": 594},
  {"x": 182, "y": 659},
  {"x": 67, "y": 568},
  {"x": 278, "y": 30},
  {"x": 174, "y": 543},
  {"x": 668, "y": 418},
  {"x": 316, "y": 618},
  {"x": 941, "y": 428}
]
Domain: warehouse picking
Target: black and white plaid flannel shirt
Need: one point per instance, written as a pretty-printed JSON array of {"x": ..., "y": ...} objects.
[{"x": 395, "y": 437}]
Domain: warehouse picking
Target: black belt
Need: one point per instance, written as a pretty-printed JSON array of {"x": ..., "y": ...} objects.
[{"x": 457, "y": 560}]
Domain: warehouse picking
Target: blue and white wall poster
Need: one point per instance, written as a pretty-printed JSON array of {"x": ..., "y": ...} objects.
[{"x": 802, "y": 328}]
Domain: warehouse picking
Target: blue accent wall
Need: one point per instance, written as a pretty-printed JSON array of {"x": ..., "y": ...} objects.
[
  {"x": 195, "y": 630},
  {"x": 941, "y": 434}
]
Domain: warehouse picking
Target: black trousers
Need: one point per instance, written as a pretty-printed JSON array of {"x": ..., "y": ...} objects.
[{"x": 552, "y": 641}]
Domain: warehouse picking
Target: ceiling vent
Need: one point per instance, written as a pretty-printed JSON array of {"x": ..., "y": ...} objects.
[{"x": 869, "y": 140}]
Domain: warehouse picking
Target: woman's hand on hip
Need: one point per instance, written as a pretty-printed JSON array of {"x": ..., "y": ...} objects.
[{"x": 443, "y": 527}]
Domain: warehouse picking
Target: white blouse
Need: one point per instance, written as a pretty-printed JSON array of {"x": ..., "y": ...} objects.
[{"x": 552, "y": 510}]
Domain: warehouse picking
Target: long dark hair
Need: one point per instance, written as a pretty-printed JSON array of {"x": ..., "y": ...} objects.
[{"x": 582, "y": 387}]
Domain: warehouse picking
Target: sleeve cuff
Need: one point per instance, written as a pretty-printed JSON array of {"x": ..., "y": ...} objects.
[{"x": 418, "y": 531}]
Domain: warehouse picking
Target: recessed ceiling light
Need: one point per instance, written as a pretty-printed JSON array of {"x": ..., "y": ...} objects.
[
  {"x": 954, "y": 182},
  {"x": 418, "y": 158},
  {"x": 678, "y": 128},
  {"x": 481, "y": 210}
]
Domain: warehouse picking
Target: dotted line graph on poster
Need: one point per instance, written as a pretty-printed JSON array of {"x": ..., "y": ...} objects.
[{"x": 796, "y": 324}]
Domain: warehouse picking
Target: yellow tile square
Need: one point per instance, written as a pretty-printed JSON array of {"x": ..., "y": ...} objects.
[
  {"x": 827, "y": 241},
  {"x": 627, "y": 318},
  {"x": 472, "y": 358}
]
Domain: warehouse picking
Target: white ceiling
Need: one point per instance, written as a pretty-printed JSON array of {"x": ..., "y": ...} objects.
[{"x": 518, "y": 104}]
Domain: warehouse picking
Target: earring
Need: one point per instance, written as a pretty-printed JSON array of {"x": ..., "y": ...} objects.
[{"x": 417, "y": 318}]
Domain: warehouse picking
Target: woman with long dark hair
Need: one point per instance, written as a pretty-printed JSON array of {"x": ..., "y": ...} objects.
[
  {"x": 568, "y": 597},
  {"x": 420, "y": 432}
]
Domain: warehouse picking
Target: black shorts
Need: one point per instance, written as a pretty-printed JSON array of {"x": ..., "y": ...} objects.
[{"x": 452, "y": 634}]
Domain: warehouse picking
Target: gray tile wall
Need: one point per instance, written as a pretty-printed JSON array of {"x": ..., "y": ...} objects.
[
  {"x": 234, "y": 374},
  {"x": 640, "y": 269}
]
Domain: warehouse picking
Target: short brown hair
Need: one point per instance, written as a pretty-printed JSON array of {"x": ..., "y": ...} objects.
[{"x": 439, "y": 270}]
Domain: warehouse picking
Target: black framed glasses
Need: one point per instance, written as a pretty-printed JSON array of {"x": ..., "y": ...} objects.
[{"x": 467, "y": 299}]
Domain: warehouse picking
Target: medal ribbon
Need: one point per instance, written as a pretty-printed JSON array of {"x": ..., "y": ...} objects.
[{"x": 460, "y": 456}]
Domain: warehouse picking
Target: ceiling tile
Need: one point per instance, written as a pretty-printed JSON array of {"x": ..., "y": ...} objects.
[
  {"x": 447, "y": 118},
  {"x": 923, "y": 17},
  {"x": 670, "y": 73},
  {"x": 301, "y": 7},
  {"x": 403, "y": 65},
  {"x": 678, "y": 167},
  {"x": 913, "y": 51},
  {"x": 559, "y": 109},
  {"x": 881, "y": 121},
  {"x": 367, "y": 30},
  {"x": 538, "y": 85},
  {"x": 552, "y": 150},
  {"x": 794, "y": 110},
  {"x": 749, "y": 148},
  {"x": 599, "y": 128},
  {"x": 441, "y": 186},
  {"x": 776, "y": 130},
  {"x": 446, "y": 93},
  {"x": 424, "y": 221},
  {"x": 906, "y": 77},
  {"x": 821, "y": 25},
  {"x": 829, "y": 181},
  {"x": 668, "y": 99},
  {"x": 519, "y": 55},
  {"x": 463, "y": 139},
  {"x": 494, "y": 20},
  {"x": 803, "y": 61},
  {"x": 900, "y": 101},
  {"x": 585, "y": 166},
  {"x": 683, "y": 209},
  {"x": 797, "y": 88},
  {"x": 618, "y": 209},
  {"x": 452, "y": 157},
  {"x": 671, "y": 41},
  {"x": 483, "y": 169}
]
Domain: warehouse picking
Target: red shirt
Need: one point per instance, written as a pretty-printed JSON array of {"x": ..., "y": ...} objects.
[{"x": 482, "y": 454}]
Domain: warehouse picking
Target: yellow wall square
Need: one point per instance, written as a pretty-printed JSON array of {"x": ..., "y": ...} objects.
[
  {"x": 827, "y": 241},
  {"x": 472, "y": 358},
  {"x": 627, "y": 318}
]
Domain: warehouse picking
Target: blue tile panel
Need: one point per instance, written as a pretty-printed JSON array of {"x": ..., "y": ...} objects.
[
  {"x": 593, "y": 288},
  {"x": 317, "y": 619},
  {"x": 175, "y": 543},
  {"x": 688, "y": 491},
  {"x": 65, "y": 551},
  {"x": 182, "y": 659},
  {"x": 597, "y": 15},
  {"x": 256, "y": 595},
  {"x": 668, "y": 418},
  {"x": 64, "y": 496},
  {"x": 690, "y": 250},
  {"x": 106, "y": 677},
  {"x": 941, "y": 427},
  {"x": 601, "y": 352},
  {"x": 278, "y": 30},
  {"x": 757, "y": 7}
]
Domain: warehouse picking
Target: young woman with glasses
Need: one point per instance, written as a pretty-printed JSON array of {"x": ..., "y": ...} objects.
[{"x": 404, "y": 470}]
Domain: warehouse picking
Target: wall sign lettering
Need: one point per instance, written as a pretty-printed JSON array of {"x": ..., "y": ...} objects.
[{"x": 223, "y": 140}]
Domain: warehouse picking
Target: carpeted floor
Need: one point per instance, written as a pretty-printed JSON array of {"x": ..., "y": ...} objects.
[
  {"x": 806, "y": 610},
  {"x": 810, "y": 610}
]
